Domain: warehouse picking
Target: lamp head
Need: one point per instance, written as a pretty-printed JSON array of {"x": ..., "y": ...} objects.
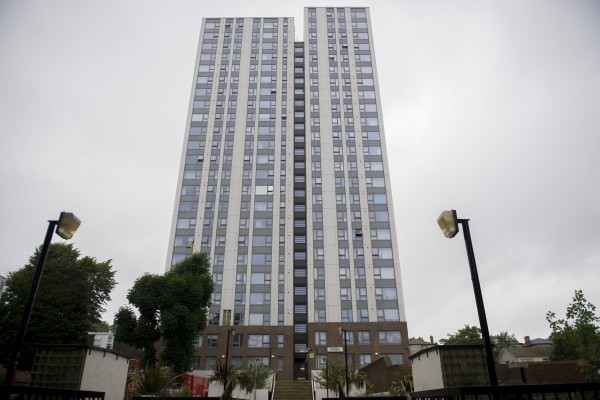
[
  {"x": 448, "y": 223},
  {"x": 67, "y": 225}
]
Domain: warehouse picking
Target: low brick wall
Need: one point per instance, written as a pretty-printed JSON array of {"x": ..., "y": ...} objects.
[
  {"x": 381, "y": 373},
  {"x": 540, "y": 373}
]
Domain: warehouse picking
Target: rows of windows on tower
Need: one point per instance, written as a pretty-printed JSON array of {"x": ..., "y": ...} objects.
[{"x": 284, "y": 182}]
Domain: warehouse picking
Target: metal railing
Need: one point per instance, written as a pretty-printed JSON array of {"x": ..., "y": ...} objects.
[
  {"x": 40, "y": 393},
  {"x": 569, "y": 391}
]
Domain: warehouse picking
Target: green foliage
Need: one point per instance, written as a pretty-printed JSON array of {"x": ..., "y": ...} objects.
[
  {"x": 156, "y": 380},
  {"x": 577, "y": 337},
  {"x": 101, "y": 326},
  {"x": 467, "y": 335},
  {"x": 253, "y": 377},
  {"x": 501, "y": 341},
  {"x": 245, "y": 378},
  {"x": 333, "y": 377},
  {"x": 404, "y": 388},
  {"x": 172, "y": 306},
  {"x": 70, "y": 300}
]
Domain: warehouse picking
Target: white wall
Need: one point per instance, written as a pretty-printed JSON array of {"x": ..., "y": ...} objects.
[
  {"x": 427, "y": 371},
  {"x": 215, "y": 389},
  {"x": 106, "y": 372}
]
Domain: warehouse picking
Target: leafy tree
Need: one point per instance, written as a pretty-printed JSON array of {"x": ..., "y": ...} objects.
[
  {"x": 467, "y": 335},
  {"x": 501, "y": 341},
  {"x": 101, "y": 326},
  {"x": 173, "y": 307},
  {"x": 333, "y": 376},
  {"x": 70, "y": 300},
  {"x": 577, "y": 337}
]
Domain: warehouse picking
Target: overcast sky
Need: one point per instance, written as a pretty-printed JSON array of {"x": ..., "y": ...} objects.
[{"x": 490, "y": 107}]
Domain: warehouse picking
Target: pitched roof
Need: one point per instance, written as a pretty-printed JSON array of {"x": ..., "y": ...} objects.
[{"x": 533, "y": 351}]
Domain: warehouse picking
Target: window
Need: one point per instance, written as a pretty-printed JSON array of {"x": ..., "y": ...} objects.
[
  {"x": 361, "y": 293},
  {"x": 344, "y": 272},
  {"x": 260, "y": 298},
  {"x": 382, "y": 253},
  {"x": 240, "y": 298},
  {"x": 387, "y": 314},
  {"x": 364, "y": 359},
  {"x": 318, "y": 216},
  {"x": 260, "y": 319},
  {"x": 364, "y": 337},
  {"x": 318, "y": 234},
  {"x": 390, "y": 337},
  {"x": 345, "y": 294},
  {"x": 255, "y": 341},
  {"x": 210, "y": 362},
  {"x": 319, "y": 294},
  {"x": 238, "y": 340},
  {"x": 240, "y": 278},
  {"x": 320, "y": 338},
  {"x": 198, "y": 341},
  {"x": 384, "y": 273},
  {"x": 261, "y": 278},
  {"x": 378, "y": 216},
  {"x": 396, "y": 359},
  {"x": 385, "y": 293},
  {"x": 320, "y": 315},
  {"x": 212, "y": 340}
]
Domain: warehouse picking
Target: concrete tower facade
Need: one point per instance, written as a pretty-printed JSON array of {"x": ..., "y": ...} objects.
[{"x": 284, "y": 182}]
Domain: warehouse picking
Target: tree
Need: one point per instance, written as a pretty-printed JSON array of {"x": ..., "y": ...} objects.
[
  {"x": 333, "y": 376},
  {"x": 467, "y": 335},
  {"x": 173, "y": 307},
  {"x": 577, "y": 337},
  {"x": 501, "y": 341},
  {"x": 71, "y": 297}
]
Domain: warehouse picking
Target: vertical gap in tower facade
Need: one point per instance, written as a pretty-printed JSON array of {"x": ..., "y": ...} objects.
[{"x": 300, "y": 251}]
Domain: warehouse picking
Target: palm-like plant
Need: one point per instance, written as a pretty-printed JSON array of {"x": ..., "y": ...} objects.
[
  {"x": 155, "y": 379},
  {"x": 222, "y": 370},
  {"x": 333, "y": 377},
  {"x": 249, "y": 378}
]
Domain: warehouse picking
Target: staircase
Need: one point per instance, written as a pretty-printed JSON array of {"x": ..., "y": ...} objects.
[{"x": 292, "y": 390}]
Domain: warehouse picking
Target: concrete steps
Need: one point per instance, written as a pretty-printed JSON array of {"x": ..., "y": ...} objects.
[{"x": 292, "y": 390}]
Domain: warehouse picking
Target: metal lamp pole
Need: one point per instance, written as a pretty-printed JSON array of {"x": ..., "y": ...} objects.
[
  {"x": 255, "y": 376},
  {"x": 448, "y": 222},
  {"x": 343, "y": 331},
  {"x": 230, "y": 333},
  {"x": 66, "y": 226},
  {"x": 326, "y": 376}
]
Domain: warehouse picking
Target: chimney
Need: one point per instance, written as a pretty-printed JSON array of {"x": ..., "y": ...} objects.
[
  {"x": 527, "y": 341},
  {"x": 431, "y": 339}
]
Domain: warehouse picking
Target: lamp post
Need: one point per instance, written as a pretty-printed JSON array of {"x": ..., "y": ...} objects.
[
  {"x": 448, "y": 223},
  {"x": 230, "y": 332},
  {"x": 66, "y": 226},
  {"x": 342, "y": 331},
  {"x": 255, "y": 375},
  {"x": 326, "y": 376}
]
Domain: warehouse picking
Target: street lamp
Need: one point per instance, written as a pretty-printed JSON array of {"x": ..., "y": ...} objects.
[
  {"x": 255, "y": 375},
  {"x": 343, "y": 331},
  {"x": 448, "y": 223},
  {"x": 66, "y": 226},
  {"x": 230, "y": 332},
  {"x": 326, "y": 376}
]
